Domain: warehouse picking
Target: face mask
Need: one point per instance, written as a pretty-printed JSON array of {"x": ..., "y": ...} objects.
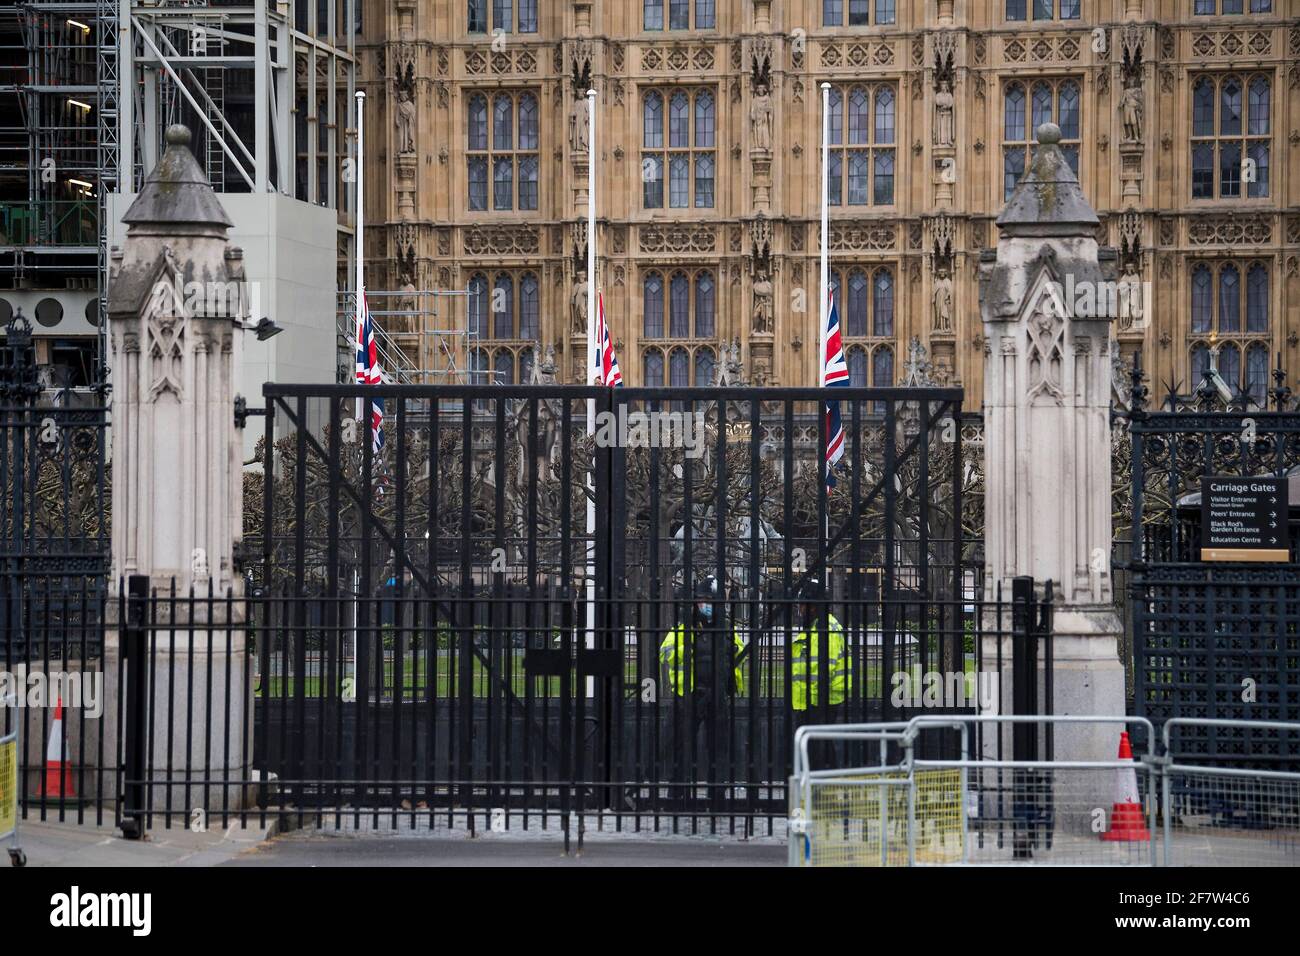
[{"x": 705, "y": 611}]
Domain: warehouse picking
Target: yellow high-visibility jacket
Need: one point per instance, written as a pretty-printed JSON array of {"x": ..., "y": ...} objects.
[
  {"x": 805, "y": 659},
  {"x": 677, "y": 644}
]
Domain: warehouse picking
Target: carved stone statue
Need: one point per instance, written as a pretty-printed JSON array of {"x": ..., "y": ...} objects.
[
  {"x": 943, "y": 116},
  {"x": 1130, "y": 105},
  {"x": 578, "y": 305},
  {"x": 760, "y": 118},
  {"x": 405, "y": 121},
  {"x": 1129, "y": 295},
  {"x": 943, "y": 300},
  {"x": 579, "y": 141},
  {"x": 762, "y": 316}
]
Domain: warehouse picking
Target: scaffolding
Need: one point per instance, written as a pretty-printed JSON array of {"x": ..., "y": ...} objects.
[
  {"x": 416, "y": 335},
  {"x": 88, "y": 89}
]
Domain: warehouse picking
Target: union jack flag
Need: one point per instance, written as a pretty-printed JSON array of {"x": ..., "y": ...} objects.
[
  {"x": 368, "y": 371},
  {"x": 835, "y": 373},
  {"x": 607, "y": 372}
]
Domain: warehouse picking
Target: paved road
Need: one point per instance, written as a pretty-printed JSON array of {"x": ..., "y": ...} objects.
[{"x": 312, "y": 849}]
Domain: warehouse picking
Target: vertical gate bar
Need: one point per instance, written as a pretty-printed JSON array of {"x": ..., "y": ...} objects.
[
  {"x": 398, "y": 599},
  {"x": 83, "y": 620},
  {"x": 189, "y": 723},
  {"x": 332, "y": 696},
  {"x": 566, "y": 624},
  {"x": 857, "y": 631},
  {"x": 364, "y": 609},
  {"x": 299, "y": 592},
  {"x": 229, "y": 622},
  {"x": 782, "y": 771},
  {"x": 133, "y": 600},
  {"x": 657, "y": 628},
  {"x": 498, "y": 634},
  {"x": 262, "y": 714},
  {"x": 602, "y": 688},
  {"x": 432, "y": 668},
  {"x": 887, "y": 583},
  {"x": 690, "y": 751},
  {"x": 464, "y": 686},
  {"x": 925, "y": 626},
  {"x": 190, "y": 607},
  {"x": 1138, "y": 596},
  {"x": 755, "y": 584},
  {"x": 820, "y": 633},
  {"x": 152, "y": 692},
  {"x": 957, "y": 591},
  {"x": 723, "y": 646},
  {"x": 535, "y": 637},
  {"x": 616, "y": 614}
]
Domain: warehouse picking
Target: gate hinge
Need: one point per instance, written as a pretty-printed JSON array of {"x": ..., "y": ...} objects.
[{"x": 242, "y": 411}]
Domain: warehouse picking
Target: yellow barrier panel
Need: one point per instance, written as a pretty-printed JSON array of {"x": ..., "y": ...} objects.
[
  {"x": 862, "y": 821},
  {"x": 8, "y": 787}
]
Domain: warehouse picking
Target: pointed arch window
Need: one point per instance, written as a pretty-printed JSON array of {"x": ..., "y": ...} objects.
[
  {"x": 652, "y": 306},
  {"x": 688, "y": 129},
  {"x": 705, "y": 363},
  {"x": 861, "y": 167},
  {"x": 1231, "y": 136},
  {"x": 503, "y": 142},
  {"x": 1230, "y": 323}
]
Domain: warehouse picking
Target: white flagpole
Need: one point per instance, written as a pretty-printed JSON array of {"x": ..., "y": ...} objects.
[
  {"x": 356, "y": 339},
  {"x": 824, "y": 309},
  {"x": 361, "y": 234},
  {"x": 593, "y": 365},
  {"x": 826, "y": 218}
]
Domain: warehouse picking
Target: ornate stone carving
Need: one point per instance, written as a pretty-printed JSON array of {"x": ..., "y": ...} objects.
[
  {"x": 1229, "y": 229},
  {"x": 677, "y": 237},
  {"x": 502, "y": 240},
  {"x": 1046, "y": 357},
  {"x": 852, "y": 236}
]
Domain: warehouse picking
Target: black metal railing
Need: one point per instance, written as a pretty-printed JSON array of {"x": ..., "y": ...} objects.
[{"x": 1210, "y": 639}]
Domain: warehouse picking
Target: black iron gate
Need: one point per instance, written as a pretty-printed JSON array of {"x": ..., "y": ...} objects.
[
  {"x": 473, "y": 616},
  {"x": 1211, "y": 639},
  {"x": 54, "y": 562}
]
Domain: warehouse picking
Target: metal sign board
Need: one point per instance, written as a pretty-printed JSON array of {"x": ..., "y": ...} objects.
[{"x": 1244, "y": 519}]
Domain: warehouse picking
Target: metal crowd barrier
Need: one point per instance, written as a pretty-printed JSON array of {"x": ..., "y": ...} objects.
[{"x": 902, "y": 810}]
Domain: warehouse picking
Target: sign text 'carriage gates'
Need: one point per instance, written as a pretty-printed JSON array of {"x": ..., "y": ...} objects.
[{"x": 1244, "y": 519}]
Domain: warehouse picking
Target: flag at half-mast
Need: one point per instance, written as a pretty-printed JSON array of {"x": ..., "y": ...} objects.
[
  {"x": 605, "y": 368},
  {"x": 368, "y": 370},
  {"x": 835, "y": 373}
]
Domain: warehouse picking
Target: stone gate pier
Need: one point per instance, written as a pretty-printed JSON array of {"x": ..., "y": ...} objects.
[
  {"x": 1047, "y": 438},
  {"x": 177, "y": 305}
]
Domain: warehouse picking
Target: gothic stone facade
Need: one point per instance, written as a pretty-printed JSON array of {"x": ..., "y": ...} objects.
[{"x": 1182, "y": 117}]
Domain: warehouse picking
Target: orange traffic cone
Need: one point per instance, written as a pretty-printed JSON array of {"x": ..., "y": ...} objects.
[
  {"x": 1127, "y": 823},
  {"x": 58, "y": 772}
]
